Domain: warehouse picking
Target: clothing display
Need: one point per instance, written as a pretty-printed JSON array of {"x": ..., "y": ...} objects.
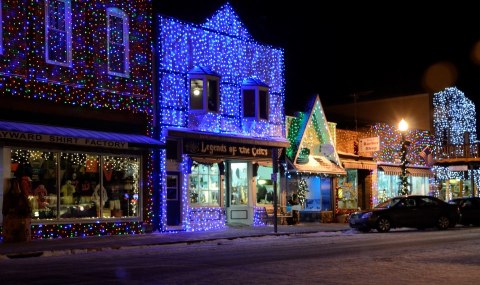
[
  {"x": 41, "y": 195},
  {"x": 96, "y": 195},
  {"x": 67, "y": 192}
]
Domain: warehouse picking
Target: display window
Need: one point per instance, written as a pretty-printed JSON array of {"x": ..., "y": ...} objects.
[
  {"x": 347, "y": 190},
  {"x": 265, "y": 185},
  {"x": 389, "y": 186},
  {"x": 75, "y": 185},
  {"x": 204, "y": 184},
  {"x": 239, "y": 183}
]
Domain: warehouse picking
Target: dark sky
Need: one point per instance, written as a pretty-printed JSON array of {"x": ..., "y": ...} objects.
[{"x": 338, "y": 49}]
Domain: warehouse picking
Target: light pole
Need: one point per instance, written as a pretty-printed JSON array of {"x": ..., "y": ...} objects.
[{"x": 403, "y": 127}]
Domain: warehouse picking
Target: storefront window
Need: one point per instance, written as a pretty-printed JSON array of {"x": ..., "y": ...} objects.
[
  {"x": 347, "y": 191},
  {"x": 239, "y": 183},
  {"x": 85, "y": 189},
  {"x": 204, "y": 184},
  {"x": 265, "y": 186},
  {"x": 388, "y": 186}
]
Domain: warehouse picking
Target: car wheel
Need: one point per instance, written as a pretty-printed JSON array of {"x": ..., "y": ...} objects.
[
  {"x": 383, "y": 225},
  {"x": 443, "y": 223}
]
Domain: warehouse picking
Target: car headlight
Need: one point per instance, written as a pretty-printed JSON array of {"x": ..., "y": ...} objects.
[{"x": 366, "y": 215}]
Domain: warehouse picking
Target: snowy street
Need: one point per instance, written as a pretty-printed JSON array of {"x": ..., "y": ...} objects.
[{"x": 402, "y": 256}]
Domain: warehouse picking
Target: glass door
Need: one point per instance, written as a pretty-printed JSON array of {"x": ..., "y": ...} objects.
[{"x": 238, "y": 193}]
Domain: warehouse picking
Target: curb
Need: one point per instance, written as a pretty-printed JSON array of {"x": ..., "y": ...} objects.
[{"x": 71, "y": 249}]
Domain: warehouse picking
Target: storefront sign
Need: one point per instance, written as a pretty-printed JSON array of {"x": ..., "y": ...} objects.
[
  {"x": 61, "y": 139},
  {"x": 369, "y": 144},
  {"x": 211, "y": 148}
]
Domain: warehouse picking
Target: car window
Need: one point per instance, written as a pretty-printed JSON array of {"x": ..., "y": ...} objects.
[
  {"x": 427, "y": 201},
  {"x": 410, "y": 202},
  {"x": 389, "y": 203},
  {"x": 405, "y": 203}
]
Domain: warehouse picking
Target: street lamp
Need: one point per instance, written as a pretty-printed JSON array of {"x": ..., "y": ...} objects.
[{"x": 403, "y": 127}]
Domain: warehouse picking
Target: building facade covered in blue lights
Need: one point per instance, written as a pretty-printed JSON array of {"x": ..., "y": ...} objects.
[
  {"x": 220, "y": 112},
  {"x": 76, "y": 116}
]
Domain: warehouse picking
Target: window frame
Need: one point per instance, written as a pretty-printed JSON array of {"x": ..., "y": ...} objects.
[
  {"x": 211, "y": 173},
  {"x": 258, "y": 112},
  {"x": 63, "y": 165},
  {"x": 206, "y": 89},
  {"x": 117, "y": 12},
  {"x": 67, "y": 31}
]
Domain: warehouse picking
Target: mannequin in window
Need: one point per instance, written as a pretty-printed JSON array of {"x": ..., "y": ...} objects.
[
  {"x": 76, "y": 185},
  {"x": 41, "y": 196},
  {"x": 114, "y": 201},
  {"x": 67, "y": 191},
  {"x": 99, "y": 197}
]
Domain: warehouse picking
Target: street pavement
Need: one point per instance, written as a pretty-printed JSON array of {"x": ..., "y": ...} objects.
[{"x": 63, "y": 246}]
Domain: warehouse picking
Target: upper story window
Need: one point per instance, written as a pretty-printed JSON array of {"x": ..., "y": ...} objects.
[
  {"x": 58, "y": 32},
  {"x": 204, "y": 90},
  {"x": 255, "y": 99},
  {"x": 117, "y": 42}
]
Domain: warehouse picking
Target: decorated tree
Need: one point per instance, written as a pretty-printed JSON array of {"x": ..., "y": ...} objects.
[{"x": 302, "y": 190}]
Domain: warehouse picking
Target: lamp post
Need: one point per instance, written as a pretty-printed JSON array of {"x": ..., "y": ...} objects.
[{"x": 403, "y": 127}]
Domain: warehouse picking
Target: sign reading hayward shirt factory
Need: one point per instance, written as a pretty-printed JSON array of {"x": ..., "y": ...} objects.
[
  {"x": 201, "y": 147},
  {"x": 61, "y": 139}
]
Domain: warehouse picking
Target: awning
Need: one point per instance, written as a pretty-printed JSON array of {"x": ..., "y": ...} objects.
[
  {"x": 231, "y": 138},
  {"x": 391, "y": 170},
  {"x": 423, "y": 172},
  {"x": 52, "y": 134},
  {"x": 319, "y": 165},
  {"x": 359, "y": 164},
  {"x": 411, "y": 171}
]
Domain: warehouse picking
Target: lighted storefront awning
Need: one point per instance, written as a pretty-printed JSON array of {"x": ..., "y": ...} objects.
[
  {"x": 391, "y": 170},
  {"x": 319, "y": 165},
  {"x": 423, "y": 172},
  {"x": 228, "y": 138},
  {"x": 15, "y": 131},
  {"x": 411, "y": 171},
  {"x": 359, "y": 164}
]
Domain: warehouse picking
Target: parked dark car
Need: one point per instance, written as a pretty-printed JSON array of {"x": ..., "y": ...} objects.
[
  {"x": 412, "y": 211},
  {"x": 469, "y": 210}
]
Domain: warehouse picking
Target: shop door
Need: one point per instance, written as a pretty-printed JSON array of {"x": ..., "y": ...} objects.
[
  {"x": 238, "y": 210},
  {"x": 173, "y": 199}
]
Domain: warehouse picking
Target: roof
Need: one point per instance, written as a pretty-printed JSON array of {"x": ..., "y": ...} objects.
[
  {"x": 202, "y": 70},
  {"x": 253, "y": 82},
  {"x": 319, "y": 165}
]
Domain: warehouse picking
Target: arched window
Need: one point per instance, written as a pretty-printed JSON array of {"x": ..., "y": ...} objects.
[
  {"x": 255, "y": 98},
  {"x": 204, "y": 90},
  {"x": 117, "y": 42},
  {"x": 58, "y": 32}
]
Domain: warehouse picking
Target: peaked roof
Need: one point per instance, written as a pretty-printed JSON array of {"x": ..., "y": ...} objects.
[
  {"x": 226, "y": 21},
  {"x": 198, "y": 69},
  {"x": 315, "y": 150}
]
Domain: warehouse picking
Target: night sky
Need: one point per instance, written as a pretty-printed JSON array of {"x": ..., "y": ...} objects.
[{"x": 376, "y": 51}]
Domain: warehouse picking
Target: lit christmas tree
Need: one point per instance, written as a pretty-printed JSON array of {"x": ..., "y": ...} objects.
[{"x": 302, "y": 191}]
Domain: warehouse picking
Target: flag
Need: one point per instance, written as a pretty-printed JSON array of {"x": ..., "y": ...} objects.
[{"x": 427, "y": 155}]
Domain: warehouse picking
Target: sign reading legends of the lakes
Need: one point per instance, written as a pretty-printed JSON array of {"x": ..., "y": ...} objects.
[{"x": 216, "y": 148}]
